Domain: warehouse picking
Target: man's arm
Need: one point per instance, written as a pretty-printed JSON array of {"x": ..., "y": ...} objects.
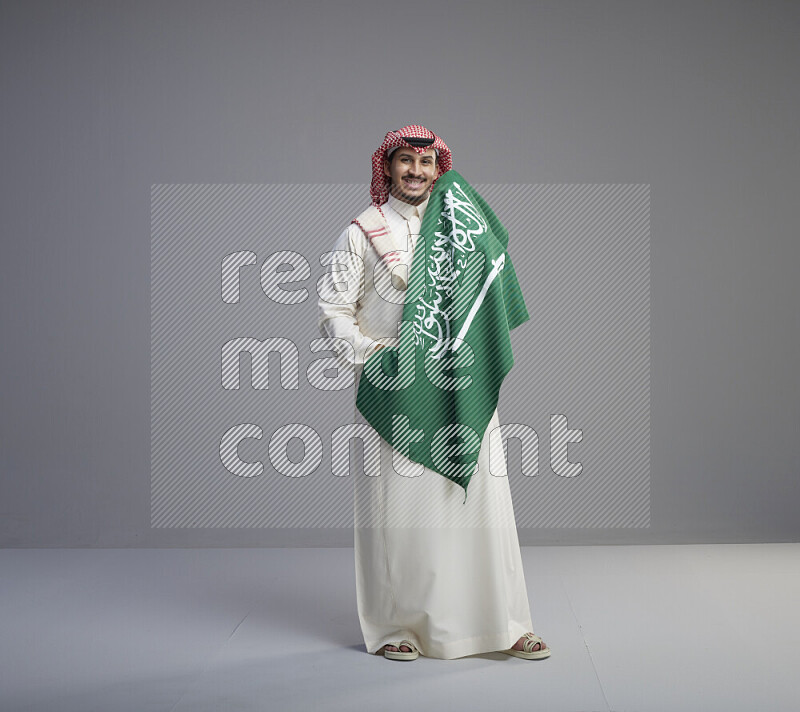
[{"x": 337, "y": 307}]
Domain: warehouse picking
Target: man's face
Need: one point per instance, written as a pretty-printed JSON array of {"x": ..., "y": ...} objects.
[{"x": 412, "y": 174}]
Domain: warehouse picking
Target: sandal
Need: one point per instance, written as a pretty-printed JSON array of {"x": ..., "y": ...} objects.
[
  {"x": 398, "y": 654},
  {"x": 528, "y": 653}
]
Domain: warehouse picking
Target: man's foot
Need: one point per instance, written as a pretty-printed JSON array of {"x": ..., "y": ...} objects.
[
  {"x": 536, "y": 646},
  {"x": 529, "y": 647},
  {"x": 407, "y": 651}
]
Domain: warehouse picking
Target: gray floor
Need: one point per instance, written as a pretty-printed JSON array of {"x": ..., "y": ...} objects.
[{"x": 691, "y": 627}]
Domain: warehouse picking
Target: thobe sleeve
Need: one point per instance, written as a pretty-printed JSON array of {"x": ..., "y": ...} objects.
[{"x": 340, "y": 290}]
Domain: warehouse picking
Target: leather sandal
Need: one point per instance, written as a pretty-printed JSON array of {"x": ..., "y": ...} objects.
[
  {"x": 528, "y": 653},
  {"x": 398, "y": 654}
]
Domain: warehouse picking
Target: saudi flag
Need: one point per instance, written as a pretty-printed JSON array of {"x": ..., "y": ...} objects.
[{"x": 432, "y": 396}]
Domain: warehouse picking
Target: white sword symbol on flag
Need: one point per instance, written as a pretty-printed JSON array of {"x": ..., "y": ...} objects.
[{"x": 497, "y": 265}]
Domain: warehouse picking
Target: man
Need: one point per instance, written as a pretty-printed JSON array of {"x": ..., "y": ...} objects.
[{"x": 432, "y": 577}]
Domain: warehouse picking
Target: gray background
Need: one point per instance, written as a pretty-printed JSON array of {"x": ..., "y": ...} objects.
[{"x": 101, "y": 100}]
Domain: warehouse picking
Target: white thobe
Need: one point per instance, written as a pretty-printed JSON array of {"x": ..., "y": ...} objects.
[{"x": 429, "y": 568}]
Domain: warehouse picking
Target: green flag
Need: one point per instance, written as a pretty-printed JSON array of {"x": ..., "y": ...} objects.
[{"x": 432, "y": 396}]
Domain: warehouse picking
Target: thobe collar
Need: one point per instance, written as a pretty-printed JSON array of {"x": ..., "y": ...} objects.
[{"x": 406, "y": 209}]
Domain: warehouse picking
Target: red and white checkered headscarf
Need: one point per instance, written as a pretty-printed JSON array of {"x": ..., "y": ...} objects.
[{"x": 379, "y": 189}]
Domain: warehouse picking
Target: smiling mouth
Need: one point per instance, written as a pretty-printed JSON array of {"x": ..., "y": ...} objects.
[{"x": 413, "y": 183}]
